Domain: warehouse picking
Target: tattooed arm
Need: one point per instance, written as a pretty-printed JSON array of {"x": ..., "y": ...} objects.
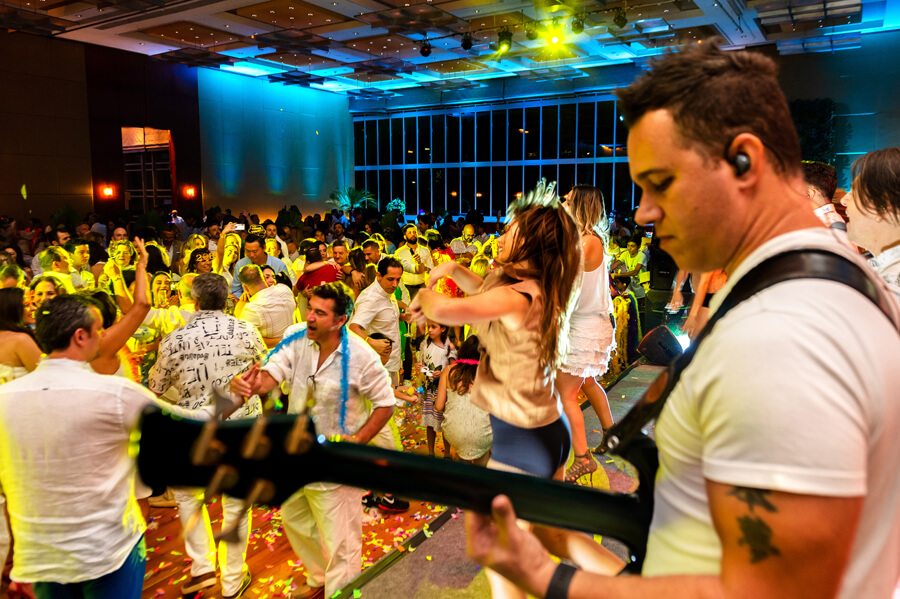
[{"x": 774, "y": 544}]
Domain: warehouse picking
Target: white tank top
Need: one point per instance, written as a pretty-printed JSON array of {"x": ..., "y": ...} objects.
[{"x": 594, "y": 301}]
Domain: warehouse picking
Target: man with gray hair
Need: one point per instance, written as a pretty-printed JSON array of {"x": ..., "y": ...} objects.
[
  {"x": 199, "y": 360},
  {"x": 270, "y": 308},
  {"x": 55, "y": 262}
]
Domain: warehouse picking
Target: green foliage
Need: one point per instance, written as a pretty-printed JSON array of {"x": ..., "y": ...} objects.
[
  {"x": 350, "y": 197},
  {"x": 290, "y": 217},
  {"x": 814, "y": 120},
  {"x": 67, "y": 217}
]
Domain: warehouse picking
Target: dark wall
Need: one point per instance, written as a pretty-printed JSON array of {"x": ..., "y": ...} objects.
[{"x": 133, "y": 90}]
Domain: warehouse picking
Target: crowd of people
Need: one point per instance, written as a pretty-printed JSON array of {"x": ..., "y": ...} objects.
[{"x": 495, "y": 337}]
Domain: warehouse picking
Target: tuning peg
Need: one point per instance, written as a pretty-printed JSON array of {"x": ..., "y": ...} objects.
[
  {"x": 299, "y": 440},
  {"x": 262, "y": 492},
  {"x": 256, "y": 444},
  {"x": 207, "y": 450},
  {"x": 224, "y": 478}
]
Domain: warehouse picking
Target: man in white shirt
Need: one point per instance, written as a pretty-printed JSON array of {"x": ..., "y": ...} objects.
[
  {"x": 372, "y": 252},
  {"x": 79, "y": 251},
  {"x": 67, "y": 472},
  {"x": 465, "y": 247},
  {"x": 213, "y": 230},
  {"x": 325, "y": 513},
  {"x": 377, "y": 312},
  {"x": 55, "y": 237},
  {"x": 270, "y": 307},
  {"x": 170, "y": 244},
  {"x": 272, "y": 233},
  {"x": 55, "y": 263},
  {"x": 753, "y": 497},
  {"x": 415, "y": 259},
  {"x": 199, "y": 360}
]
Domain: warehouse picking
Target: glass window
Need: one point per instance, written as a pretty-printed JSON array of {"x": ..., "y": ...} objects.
[
  {"x": 397, "y": 189},
  {"x": 412, "y": 193},
  {"x": 498, "y": 190},
  {"x": 359, "y": 143},
  {"x": 397, "y": 141},
  {"x": 566, "y": 178},
  {"x": 452, "y": 138},
  {"x": 384, "y": 140},
  {"x": 467, "y": 143},
  {"x": 621, "y": 147},
  {"x": 514, "y": 188},
  {"x": 453, "y": 189},
  {"x": 586, "y": 128},
  {"x": 584, "y": 173},
  {"x": 498, "y": 135},
  {"x": 467, "y": 191},
  {"x": 603, "y": 181},
  {"x": 371, "y": 180},
  {"x": 424, "y": 139},
  {"x": 623, "y": 187},
  {"x": 411, "y": 144},
  {"x": 437, "y": 138},
  {"x": 606, "y": 125},
  {"x": 384, "y": 189},
  {"x": 550, "y": 132},
  {"x": 516, "y": 134},
  {"x": 532, "y": 133},
  {"x": 359, "y": 180},
  {"x": 568, "y": 128},
  {"x": 423, "y": 182},
  {"x": 483, "y": 136},
  {"x": 438, "y": 192},
  {"x": 532, "y": 176},
  {"x": 483, "y": 188},
  {"x": 548, "y": 172}
]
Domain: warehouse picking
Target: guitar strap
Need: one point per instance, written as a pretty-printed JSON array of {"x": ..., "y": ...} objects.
[{"x": 788, "y": 266}]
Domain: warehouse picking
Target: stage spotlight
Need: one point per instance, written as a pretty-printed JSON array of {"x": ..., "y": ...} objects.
[
  {"x": 467, "y": 41},
  {"x": 620, "y": 19},
  {"x": 531, "y": 32},
  {"x": 425, "y": 50},
  {"x": 504, "y": 40},
  {"x": 577, "y": 25},
  {"x": 554, "y": 32}
]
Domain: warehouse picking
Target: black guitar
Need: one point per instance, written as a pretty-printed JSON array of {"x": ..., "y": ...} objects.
[{"x": 268, "y": 459}]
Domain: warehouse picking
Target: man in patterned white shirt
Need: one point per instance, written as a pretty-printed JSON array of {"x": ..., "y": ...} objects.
[
  {"x": 270, "y": 307},
  {"x": 199, "y": 360}
]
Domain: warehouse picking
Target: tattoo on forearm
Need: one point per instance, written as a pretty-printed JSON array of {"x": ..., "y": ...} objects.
[{"x": 757, "y": 535}]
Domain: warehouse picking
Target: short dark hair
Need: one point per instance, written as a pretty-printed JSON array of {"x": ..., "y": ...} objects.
[
  {"x": 407, "y": 227},
  {"x": 210, "y": 291},
  {"x": 340, "y": 293},
  {"x": 313, "y": 253},
  {"x": 251, "y": 238},
  {"x": 713, "y": 96},
  {"x": 105, "y": 304},
  {"x": 388, "y": 262},
  {"x": 876, "y": 182},
  {"x": 58, "y": 318},
  {"x": 74, "y": 243},
  {"x": 371, "y": 244},
  {"x": 268, "y": 222},
  {"x": 821, "y": 176},
  {"x": 53, "y": 234}
]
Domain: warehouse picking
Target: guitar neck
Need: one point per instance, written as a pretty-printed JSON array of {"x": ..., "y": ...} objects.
[{"x": 167, "y": 446}]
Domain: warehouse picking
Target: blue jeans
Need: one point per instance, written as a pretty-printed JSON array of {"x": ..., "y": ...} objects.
[{"x": 125, "y": 583}]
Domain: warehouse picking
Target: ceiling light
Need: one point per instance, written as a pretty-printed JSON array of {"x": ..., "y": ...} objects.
[
  {"x": 425, "y": 50},
  {"x": 504, "y": 40},
  {"x": 531, "y": 32},
  {"x": 577, "y": 25},
  {"x": 466, "y": 41},
  {"x": 620, "y": 19}
]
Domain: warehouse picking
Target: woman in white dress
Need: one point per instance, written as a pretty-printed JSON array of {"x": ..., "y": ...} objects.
[{"x": 591, "y": 329}]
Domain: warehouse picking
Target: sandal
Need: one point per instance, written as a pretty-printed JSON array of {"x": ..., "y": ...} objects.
[{"x": 583, "y": 464}]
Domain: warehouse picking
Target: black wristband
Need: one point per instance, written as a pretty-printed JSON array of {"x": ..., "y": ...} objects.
[{"x": 559, "y": 582}]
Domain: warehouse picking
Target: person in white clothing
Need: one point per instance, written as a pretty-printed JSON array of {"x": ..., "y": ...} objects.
[
  {"x": 416, "y": 260},
  {"x": 323, "y": 521},
  {"x": 270, "y": 307},
  {"x": 198, "y": 361},
  {"x": 873, "y": 207},
  {"x": 65, "y": 465},
  {"x": 377, "y": 311},
  {"x": 751, "y": 498}
]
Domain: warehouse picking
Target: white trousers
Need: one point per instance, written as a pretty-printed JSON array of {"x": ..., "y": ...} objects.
[
  {"x": 324, "y": 528},
  {"x": 4, "y": 533},
  {"x": 199, "y": 543}
]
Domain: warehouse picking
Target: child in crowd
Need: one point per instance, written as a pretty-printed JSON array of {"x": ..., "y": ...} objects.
[
  {"x": 435, "y": 354},
  {"x": 466, "y": 427}
]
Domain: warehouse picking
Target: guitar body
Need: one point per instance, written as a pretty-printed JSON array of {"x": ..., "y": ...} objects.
[{"x": 269, "y": 459}]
